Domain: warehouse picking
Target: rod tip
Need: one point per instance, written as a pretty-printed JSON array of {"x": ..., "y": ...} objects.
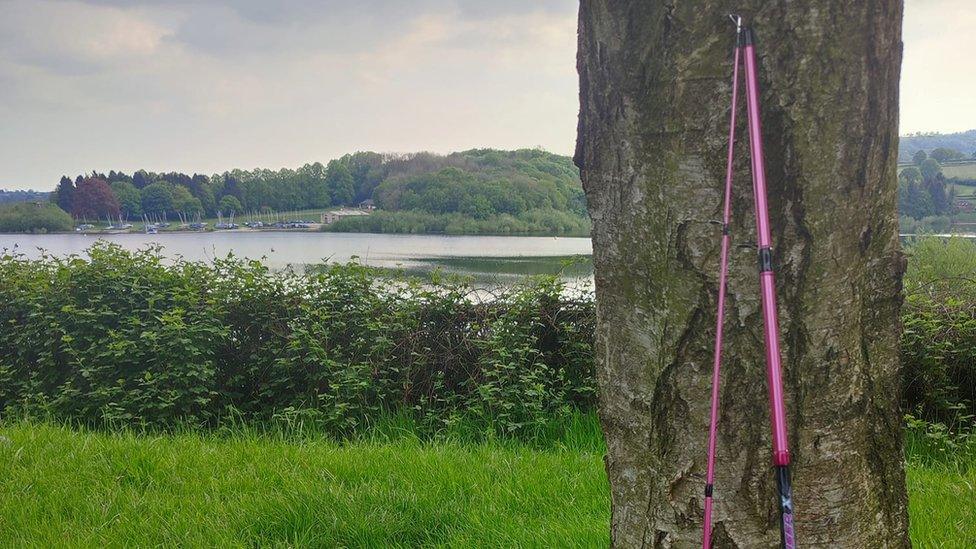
[{"x": 737, "y": 19}]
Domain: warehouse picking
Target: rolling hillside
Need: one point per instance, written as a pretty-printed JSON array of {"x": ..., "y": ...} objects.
[{"x": 964, "y": 142}]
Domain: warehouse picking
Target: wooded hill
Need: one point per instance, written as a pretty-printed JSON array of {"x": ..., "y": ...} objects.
[
  {"x": 964, "y": 142},
  {"x": 530, "y": 190}
]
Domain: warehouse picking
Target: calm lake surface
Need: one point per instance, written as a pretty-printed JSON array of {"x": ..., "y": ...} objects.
[{"x": 495, "y": 257}]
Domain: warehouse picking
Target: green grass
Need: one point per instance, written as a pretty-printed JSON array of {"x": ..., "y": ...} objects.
[
  {"x": 61, "y": 487},
  {"x": 942, "y": 493},
  {"x": 69, "y": 487},
  {"x": 964, "y": 191}
]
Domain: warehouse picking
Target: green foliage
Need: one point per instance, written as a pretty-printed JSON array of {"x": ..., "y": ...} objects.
[
  {"x": 938, "y": 345},
  {"x": 339, "y": 181},
  {"x": 941, "y": 270},
  {"x": 476, "y": 191},
  {"x": 130, "y": 199},
  {"x": 910, "y": 145},
  {"x": 157, "y": 198},
  {"x": 19, "y": 195},
  {"x": 923, "y": 193},
  {"x": 482, "y": 183},
  {"x": 229, "y": 204},
  {"x": 185, "y": 202},
  {"x": 930, "y": 168},
  {"x": 939, "y": 355},
  {"x": 541, "y": 221},
  {"x": 911, "y": 174},
  {"x": 919, "y": 157},
  {"x": 945, "y": 154},
  {"x": 63, "y": 193},
  {"x": 31, "y": 217},
  {"x": 125, "y": 338}
]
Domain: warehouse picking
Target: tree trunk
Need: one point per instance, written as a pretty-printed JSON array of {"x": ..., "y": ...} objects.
[{"x": 655, "y": 93}]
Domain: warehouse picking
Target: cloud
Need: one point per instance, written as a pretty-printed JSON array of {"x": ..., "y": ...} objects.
[
  {"x": 73, "y": 37},
  {"x": 210, "y": 85}
]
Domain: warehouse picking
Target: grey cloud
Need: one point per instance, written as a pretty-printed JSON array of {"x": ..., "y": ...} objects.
[
  {"x": 234, "y": 28},
  {"x": 245, "y": 27},
  {"x": 221, "y": 30},
  {"x": 72, "y": 38},
  {"x": 285, "y": 11}
]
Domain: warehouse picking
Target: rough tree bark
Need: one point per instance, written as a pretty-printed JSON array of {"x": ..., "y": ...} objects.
[{"x": 655, "y": 92}]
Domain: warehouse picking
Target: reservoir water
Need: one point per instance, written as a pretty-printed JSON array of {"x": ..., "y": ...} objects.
[{"x": 481, "y": 256}]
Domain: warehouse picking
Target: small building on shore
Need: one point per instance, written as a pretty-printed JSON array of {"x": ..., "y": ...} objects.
[
  {"x": 367, "y": 205},
  {"x": 329, "y": 218}
]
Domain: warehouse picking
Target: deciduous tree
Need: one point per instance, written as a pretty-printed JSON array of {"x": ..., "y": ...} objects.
[
  {"x": 340, "y": 183},
  {"x": 655, "y": 95},
  {"x": 229, "y": 204},
  {"x": 94, "y": 199},
  {"x": 130, "y": 200},
  {"x": 157, "y": 198}
]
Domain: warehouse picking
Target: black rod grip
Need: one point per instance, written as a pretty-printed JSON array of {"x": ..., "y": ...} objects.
[{"x": 785, "y": 485}]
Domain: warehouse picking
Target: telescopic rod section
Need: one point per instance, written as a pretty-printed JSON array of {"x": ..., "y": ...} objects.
[
  {"x": 767, "y": 287},
  {"x": 745, "y": 50},
  {"x": 720, "y": 317}
]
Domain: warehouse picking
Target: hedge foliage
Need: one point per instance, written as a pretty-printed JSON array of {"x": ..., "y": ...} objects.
[
  {"x": 126, "y": 337},
  {"x": 938, "y": 344}
]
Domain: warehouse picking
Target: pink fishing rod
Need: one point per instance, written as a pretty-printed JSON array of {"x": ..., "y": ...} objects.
[
  {"x": 746, "y": 48},
  {"x": 720, "y": 317}
]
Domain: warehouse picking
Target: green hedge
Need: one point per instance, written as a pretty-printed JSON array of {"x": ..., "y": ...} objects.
[
  {"x": 938, "y": 344},
  {"x": 128, "y": 338},
  {"x": 938, "y": 348}
]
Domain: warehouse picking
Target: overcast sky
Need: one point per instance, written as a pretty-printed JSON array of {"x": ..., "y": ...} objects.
[{"x": 208, "y": 85}]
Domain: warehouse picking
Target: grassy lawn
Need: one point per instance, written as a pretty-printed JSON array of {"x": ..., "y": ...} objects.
[
  {"x": 63, "y": 487},
  {"x": 964, "y": 191}
]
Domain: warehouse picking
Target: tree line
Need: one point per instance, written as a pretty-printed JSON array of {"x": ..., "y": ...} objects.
[
  {"x": 909, "y": 145},
  {"x": 476, "y": 184},
  {"x": 117, "y": 194},
  {"x": 13, "y": 196},
  {"x": 922, "y": 188}
]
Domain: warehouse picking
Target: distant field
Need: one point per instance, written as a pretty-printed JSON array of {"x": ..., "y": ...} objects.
[{"x": 967, "y": 170}]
